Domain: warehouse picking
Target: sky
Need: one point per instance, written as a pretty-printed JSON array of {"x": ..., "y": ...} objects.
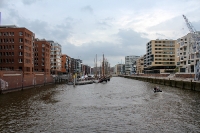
[{"x": 115, "y": 28}]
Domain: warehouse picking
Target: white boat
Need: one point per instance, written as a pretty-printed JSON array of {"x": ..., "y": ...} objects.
[
  {"x": 70, "y": 83},
  {"x": 96, "y": 81}
]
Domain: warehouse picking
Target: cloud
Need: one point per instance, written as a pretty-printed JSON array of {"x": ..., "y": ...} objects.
[
  {"x": 29, "y": 2},
  {"x": 170, "y": 29},
  {"x": 196, "y": 25},
  {"x": 88, "y": 51},
  {"x": 130, "y": 43},
  {"x": 2, "y": 3},
  {"x": 129, "y": 37},
  {"x": 103, "y": 25},
  {"x": 160, "y": 36},
  {"x": 43, "y": 29},
  {"x": 169, "y": 24},
  {"x": 87, "y": 9},
  {"x": 117, "y": 30}
]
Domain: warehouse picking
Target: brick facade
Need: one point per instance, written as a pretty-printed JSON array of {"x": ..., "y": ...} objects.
[
  {"x": 42, "y": 51},
  {"x": 65, "y": 64},
  {"x": 16, "y": 80},
  {"x": 16, "y": 49}
]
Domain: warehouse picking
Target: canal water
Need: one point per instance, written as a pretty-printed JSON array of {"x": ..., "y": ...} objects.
[{"x": 121, "y": 105}]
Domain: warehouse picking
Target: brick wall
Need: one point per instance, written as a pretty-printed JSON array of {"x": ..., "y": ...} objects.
[
  {"x": 28, "y": 80},
  {"x": 15, "y": 78},
  {"x": 13, "y": 81}
]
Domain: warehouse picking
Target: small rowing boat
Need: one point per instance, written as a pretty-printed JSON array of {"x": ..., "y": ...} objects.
[{"x": 156, "y": 89}]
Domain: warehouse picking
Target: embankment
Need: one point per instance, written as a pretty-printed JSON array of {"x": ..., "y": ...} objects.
[{"x": 183, "y": 84}]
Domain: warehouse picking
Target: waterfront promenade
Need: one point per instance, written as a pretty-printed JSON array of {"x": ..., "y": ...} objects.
[{"x": 184, "y": 81}]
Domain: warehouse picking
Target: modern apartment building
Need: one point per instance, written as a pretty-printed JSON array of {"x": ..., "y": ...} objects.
[
  {"x": 86, "y": 70},
  {"x": 188, "y": 53},
  {"x": 119, "y": 69},
  {"x": 76, "y": 66},
  {"x": 16, "y": 48},
  {"x": 56, "y": 52},
  {"x": 160, "y": 56},
  {"x": 145, "y": 61},
  {"x": 79, "y": 68},
  {"x": 140, "y": 65},
  {"x": 130, "y": 64},
  {"x": 42, "y": 51}
]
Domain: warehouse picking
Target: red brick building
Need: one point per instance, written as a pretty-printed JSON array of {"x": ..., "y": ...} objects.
[
  {"x": 65, "y": 64},
  {"x": 42, "y": 51},
  {"x": 16, "y": 48}
]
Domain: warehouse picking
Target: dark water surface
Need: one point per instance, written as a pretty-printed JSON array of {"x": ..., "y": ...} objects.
[{"x": 121, "y": 105}]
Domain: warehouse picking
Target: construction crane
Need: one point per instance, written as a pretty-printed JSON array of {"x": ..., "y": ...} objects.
[{"x": 195, "y": 46}]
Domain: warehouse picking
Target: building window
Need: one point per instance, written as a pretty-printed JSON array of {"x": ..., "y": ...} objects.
[
  {"x": 20, "y": 40},
  {"x": 20, "y": 53},
  {"x": 20, "y": 61},
  {"x": 20, "y": 33},
  {"x": 20, "y": 47}
]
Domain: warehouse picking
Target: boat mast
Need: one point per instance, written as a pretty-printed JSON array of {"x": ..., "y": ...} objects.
[
  {"x": 109, "y": 69},
  {"x": 100, "y": 69},
  {"x": 103, "y": 67},
  {"x": 96, "y": 66}
]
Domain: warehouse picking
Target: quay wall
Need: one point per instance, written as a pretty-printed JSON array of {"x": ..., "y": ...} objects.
[
  {"x": 16, "y": 80},
  {"x": 183, "y": 84}
]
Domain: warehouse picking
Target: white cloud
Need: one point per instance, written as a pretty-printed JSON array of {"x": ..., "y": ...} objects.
[
  {"x": 115, "y": 28},
  {"x": 87, "y": 9}
]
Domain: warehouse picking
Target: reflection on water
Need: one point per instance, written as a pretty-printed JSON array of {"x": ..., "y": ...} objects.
[{"x": 121, "y": 105}]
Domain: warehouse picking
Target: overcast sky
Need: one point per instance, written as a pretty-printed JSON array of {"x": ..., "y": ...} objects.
[{"x": 117, "y": 28}]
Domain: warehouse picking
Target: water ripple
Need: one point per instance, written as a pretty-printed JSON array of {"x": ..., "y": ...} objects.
[{"x": 121, "y": 105}]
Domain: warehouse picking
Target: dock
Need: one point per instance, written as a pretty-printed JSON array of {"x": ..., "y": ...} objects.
[{"x": 82, "y": 82}]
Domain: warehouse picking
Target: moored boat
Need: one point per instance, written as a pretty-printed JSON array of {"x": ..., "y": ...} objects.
[{"x": 156, "y": 89}]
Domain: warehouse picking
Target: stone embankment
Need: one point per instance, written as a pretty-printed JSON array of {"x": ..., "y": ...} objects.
[
  {"x": 184, "y": 83},
  {"x": 15, "y": 80}
]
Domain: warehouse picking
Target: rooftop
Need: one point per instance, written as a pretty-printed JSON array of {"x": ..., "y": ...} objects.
[{"x": 8, "y": 26}]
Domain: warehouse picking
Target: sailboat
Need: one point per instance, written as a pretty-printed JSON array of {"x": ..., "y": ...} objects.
[
  {"x": 96, "y": 77},
  {"x": 103, "y": 77}
]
